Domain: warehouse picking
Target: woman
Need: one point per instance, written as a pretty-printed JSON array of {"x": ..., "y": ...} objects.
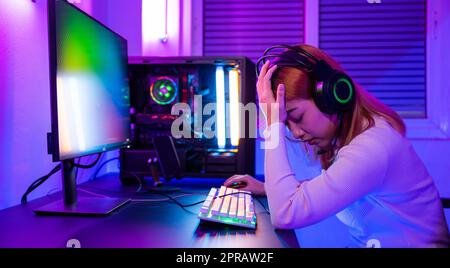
[{"x": 371, "y": 177}]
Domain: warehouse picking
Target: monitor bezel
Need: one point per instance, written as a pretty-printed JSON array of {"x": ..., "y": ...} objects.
[{"x": 53, "y": 64}]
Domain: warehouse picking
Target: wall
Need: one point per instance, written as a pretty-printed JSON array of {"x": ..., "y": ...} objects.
[
  {"x": 124, "y": 17},
  {"x": 25, "y": 99},
  {"x": 435, "y": 153}
]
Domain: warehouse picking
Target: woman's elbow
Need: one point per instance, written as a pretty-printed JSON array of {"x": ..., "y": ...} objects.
[
  {"x": 287, "y": 224},
  {"x": 290, "y": 219},
  {"x": 281, "y": 225},
  {"x": 282, "y": 221}
]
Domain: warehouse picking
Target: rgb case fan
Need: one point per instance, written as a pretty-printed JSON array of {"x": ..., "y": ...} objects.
[{"x": 163, "y": 90}]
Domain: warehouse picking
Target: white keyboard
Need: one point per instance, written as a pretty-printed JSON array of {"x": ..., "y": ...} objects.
[{"x": 229, "y": 206}]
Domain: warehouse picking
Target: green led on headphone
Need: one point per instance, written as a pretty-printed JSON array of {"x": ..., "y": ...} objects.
[
  {"x": 350, "y": 94},
  {"x": 334, "y": 91}
]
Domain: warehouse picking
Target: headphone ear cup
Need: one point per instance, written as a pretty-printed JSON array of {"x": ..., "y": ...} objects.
[
  {"x": 320, "y": 98},
  {"x": 336, "y": 94},
  {"x": 342, "y": 91}
]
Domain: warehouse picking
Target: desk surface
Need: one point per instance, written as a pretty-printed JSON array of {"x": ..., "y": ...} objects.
[{"x": 138, "y": 224}]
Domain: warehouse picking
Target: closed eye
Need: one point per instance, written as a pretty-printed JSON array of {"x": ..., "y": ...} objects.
[{"x": 297, "y": 119}]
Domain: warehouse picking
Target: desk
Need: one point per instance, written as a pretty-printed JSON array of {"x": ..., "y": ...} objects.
[{"x": 138, "y": 224}]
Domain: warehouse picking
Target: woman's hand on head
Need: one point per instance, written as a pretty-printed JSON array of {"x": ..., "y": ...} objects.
[
  {"x": 273, "y": 107},
  {"x": 252, "y": 185}
]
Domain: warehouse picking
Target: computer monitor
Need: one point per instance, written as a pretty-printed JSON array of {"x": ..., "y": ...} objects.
[{"x": 90, "y": 107}]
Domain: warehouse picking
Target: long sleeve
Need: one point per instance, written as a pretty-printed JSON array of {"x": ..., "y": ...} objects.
[{"x": 358, "y": 170}]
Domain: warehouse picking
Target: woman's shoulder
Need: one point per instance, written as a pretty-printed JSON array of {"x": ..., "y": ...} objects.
[
  {"x": 381, "y": 135},
  {"x": 374, "y": 149}
]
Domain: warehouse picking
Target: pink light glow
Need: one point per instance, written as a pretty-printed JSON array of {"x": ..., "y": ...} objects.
[
  {"x": 85, "y": 5},
  {"x": 154, "y": 27},
  {"x": 19, "y": 7},
  {"x": 186, "y": 28}
]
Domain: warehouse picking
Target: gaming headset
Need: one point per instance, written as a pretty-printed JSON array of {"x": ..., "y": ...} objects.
[{"x": 334, "y": 92}]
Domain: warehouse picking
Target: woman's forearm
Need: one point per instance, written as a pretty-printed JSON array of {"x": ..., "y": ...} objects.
[{"x": 281, "y": 186}]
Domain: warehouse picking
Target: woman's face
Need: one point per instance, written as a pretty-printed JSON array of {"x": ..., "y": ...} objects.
[{"x": 309, "y": 124}]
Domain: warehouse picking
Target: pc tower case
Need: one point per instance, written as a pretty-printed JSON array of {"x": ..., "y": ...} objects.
[{"x": 162, "y": 90}]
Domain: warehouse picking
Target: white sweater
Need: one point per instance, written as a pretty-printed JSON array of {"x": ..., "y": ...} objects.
[{"x": 377, "y": 186}]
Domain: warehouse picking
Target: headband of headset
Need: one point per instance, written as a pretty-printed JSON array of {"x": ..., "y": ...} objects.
[{"x": 334, "y": 91}]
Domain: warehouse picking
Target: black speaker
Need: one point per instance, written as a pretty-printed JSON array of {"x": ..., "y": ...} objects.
[{"x": 136, "y": 164}]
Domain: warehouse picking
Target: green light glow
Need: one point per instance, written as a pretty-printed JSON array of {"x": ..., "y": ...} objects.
[
  {"x": 85, "y": 47},
  {"x": 163, "y": 90},
  {"x": 344, "y": 101}
]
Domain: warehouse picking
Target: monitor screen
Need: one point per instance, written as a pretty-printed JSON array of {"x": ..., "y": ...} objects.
[{"x": 90, "y": 91}]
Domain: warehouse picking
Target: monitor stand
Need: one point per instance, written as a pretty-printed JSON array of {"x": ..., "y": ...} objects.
[{"x": 87, "y": 206}]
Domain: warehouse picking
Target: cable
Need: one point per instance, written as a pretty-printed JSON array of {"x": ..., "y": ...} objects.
[
  {"x": 171, "y": 198},
  {"x": 52, "y": 191},
  {"x": 200, "y": 202},
  {"x": 160, "y": 200},
  {"x": 92, "y": 193},
  {"x": 260, "y": 202},
  {"x": 42, "y": 179},
  {"x": 77, "y": 169},
  {"x": 89, "y": 165},
  {"x": 137, "y": 178},
  {"x": 38, "y": 182},
  {"x": 108, "y": 191},
  {"x": 94, "y": 176},
  {"x": 134, "y": 200},
  {"x": 175, "y": 201}
]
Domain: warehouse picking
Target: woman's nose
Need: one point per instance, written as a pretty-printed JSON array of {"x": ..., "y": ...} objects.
[{"x": 299, "y": 134}]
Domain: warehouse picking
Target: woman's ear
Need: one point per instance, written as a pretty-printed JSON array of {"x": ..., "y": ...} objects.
[{"x": 332, "y": 117}]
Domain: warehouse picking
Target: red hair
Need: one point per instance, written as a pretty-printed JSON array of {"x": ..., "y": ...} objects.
[{"x": 299, "y": 84}]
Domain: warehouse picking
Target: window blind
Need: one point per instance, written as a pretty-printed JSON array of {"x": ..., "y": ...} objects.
[
  {"x": 248, "y": 27},
  {"x": 382, "y": 46}
]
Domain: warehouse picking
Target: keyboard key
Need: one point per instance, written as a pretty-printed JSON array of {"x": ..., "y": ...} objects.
[
  {"x": 233, "y": 203},
  {"x": 241, "y": 207},
  {"x": 218, "y": 201},
  {"x": 212, "y": 192},
  {"x": 225, "y": 206},
  {"x": 205, "y": 207},
  {"x": 235, "y": 207},
  {"x": 249, "y": 216},
  {"x": 249, "y": 210},
  {"x": 209, "y": 199}
]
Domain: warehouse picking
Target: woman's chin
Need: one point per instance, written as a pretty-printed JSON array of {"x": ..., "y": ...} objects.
[{"x": 323, "y": 145}]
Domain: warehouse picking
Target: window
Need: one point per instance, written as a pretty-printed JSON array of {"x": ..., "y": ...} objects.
[
  {"x": 382, "y": 45},
  {"x": 432, "y": 121},
  {"x": 248, "y": 27}
]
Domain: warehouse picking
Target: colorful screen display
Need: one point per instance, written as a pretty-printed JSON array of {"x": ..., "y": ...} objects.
[{"x": 92, "y": 90}]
